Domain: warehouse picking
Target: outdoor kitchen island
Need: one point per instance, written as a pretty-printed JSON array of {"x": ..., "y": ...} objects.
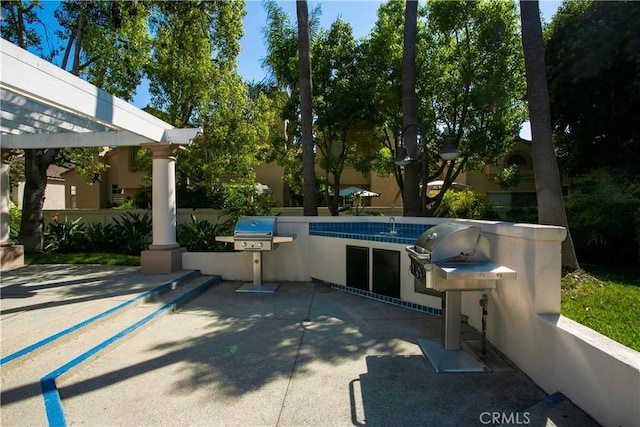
[{"x": 524, "y": 321}]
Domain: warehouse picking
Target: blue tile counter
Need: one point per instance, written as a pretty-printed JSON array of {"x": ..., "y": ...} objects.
[{"x": 371, "y": 231}]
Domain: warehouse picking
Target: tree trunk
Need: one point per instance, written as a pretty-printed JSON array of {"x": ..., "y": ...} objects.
[
  {"x": 545, "y": 166},
  {"x": 36, "y": 163},
  {"x": 410, "y": 196},
  {"x": 310, "y": 199}
]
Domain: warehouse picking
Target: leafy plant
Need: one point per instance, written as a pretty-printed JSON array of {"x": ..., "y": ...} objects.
[
  {"x": 65, "y": 236},
  {"x": 244, "y": 200},
  {"x": 15, "y": 215},
  {"x": 603, "y": 212},
  {"x": 509, "y": 177},
  {"x": 98, "y": 236},
  {"x": 464, "y": 204},
  {"x": 134, "y": 232},
  {"x": 200, "y": 236}
]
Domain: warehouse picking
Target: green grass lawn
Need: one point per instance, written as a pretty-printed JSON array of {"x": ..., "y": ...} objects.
[
  {"x": 82, "y": 258},
  {"x": 605, "y": 301}
]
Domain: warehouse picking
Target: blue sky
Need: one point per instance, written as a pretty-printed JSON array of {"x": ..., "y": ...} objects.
[{"x": 361, "y": 14}]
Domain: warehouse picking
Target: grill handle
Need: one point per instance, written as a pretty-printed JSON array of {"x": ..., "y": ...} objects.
[{"x": 422, "y": 257}]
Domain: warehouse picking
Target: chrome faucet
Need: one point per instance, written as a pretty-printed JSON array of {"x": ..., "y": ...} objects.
[{"x": 393, "y": 226}]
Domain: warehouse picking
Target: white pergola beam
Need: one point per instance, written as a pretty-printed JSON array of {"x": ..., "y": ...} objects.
[
  {"x": 117, "y": 138},
  {"x": 36, "y": 79}
]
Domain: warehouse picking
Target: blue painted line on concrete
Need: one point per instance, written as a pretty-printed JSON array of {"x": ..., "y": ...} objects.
[
  {"x": 52, "y": 338},
  {"x": 52, "y": 401}
]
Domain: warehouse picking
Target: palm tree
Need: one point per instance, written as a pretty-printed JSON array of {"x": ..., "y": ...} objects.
[
  {"x": 410, "y": 197},
  {"x": 545, "y": 166},
  {"x": 310, "y": 202}
]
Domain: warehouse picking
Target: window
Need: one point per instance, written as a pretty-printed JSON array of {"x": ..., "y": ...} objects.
[
  {"x": 517, "y": 159},
  {"x": 73, "y": 192}
]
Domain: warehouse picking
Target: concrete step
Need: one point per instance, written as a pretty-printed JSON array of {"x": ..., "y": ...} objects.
[
  {"x": 37, "y": 312},
  {"x": 554, "y": 410},
  {"x": 25, "y": 383}
]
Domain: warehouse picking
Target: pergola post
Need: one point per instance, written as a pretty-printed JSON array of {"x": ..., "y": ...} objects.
[
  {"x": 11, "y": 255},
  {"x": 164, "y": 254}
]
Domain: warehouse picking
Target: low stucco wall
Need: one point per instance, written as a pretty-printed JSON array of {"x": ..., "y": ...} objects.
[
  {"x": 598, "y": 374},
  {"x": 524, "y": 321}
]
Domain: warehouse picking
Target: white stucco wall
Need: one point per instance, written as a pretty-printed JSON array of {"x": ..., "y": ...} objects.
[{"x": 54, "y": 195}]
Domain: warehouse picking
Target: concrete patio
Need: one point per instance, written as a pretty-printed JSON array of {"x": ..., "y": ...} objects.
[{"x": 306, "y": 355}]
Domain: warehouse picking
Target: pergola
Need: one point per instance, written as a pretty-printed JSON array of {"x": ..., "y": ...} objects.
[{"x": 43, "y": 106}]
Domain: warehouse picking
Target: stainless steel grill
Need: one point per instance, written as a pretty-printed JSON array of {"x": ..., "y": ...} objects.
[
  {"x": 256, "y": 234},
  {"x": 452, "y": 256},
  {"x": 445, "y": 260}
]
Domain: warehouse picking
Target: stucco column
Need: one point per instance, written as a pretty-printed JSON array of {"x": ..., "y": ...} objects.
[
  {"x": 163, "y": 196},
  {"x": 164, "y": 254},
  {"x": 10, "y": 255}
]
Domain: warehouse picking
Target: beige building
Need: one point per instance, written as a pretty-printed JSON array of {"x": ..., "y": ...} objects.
[
  {"x": 54, "y": 193},
  {"x": 122, "y": 181}
]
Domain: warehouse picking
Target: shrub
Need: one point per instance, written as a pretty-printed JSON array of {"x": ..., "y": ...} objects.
[
  {"x": 603, "y": 212},
  {"x": 15, "y": 216},
  {"x": 134, "y": 232},
  {"x": 244, "y": 200},
  {"x": 64, "y": 237},
  {"x": 200, "y": 236},
  {"x": 99, "y": 237},
  {"x": 465, "y": 204}
]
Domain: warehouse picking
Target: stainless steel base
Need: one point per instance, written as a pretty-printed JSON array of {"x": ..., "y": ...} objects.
[
  {"x": 257, "y": 287},
  {"x": 263, "y": 288},
  {"x": 463, "y": 360}
]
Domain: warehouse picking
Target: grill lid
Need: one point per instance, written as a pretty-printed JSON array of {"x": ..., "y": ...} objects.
[
  {"x": 263, "y": 227},
  {"x": 448, "y": 241}
]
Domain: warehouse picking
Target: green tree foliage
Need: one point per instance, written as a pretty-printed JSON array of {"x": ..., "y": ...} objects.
[
  {"x": 195, "y": 51},
  {"x": 469, "y": 82},
  {"x": 107, "y": 43},
  {"x": 604, "y": 213},
  {"x": 194, "y": 82},
  {"x": 341, "y": 101},
  {"x": 478, "y": 83},
  {"x": 592, "y": 54},
  {"x": 465, "y": 204},
  {"x": 19, "y": 19}
]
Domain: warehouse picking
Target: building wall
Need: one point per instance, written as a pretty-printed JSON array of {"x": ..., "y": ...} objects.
[
  {"x": 121, "y": 176},
  {"x": 87, "y": 196},
  {"x": 126, "y": 181},
  {"x": 54, "y": 195}
]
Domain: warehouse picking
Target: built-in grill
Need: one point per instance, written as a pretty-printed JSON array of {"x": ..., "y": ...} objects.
[
  {"x": 446, "y": 260},
  {"x": 256, "y": 234}
]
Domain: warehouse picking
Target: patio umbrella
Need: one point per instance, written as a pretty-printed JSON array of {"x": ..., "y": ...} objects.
[
  {"x": 358, "y": 192},
  {"x": 436, "y": 185}
]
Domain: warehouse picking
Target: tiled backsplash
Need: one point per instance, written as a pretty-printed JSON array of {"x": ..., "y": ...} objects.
[{"x": 374, "y": 231}]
